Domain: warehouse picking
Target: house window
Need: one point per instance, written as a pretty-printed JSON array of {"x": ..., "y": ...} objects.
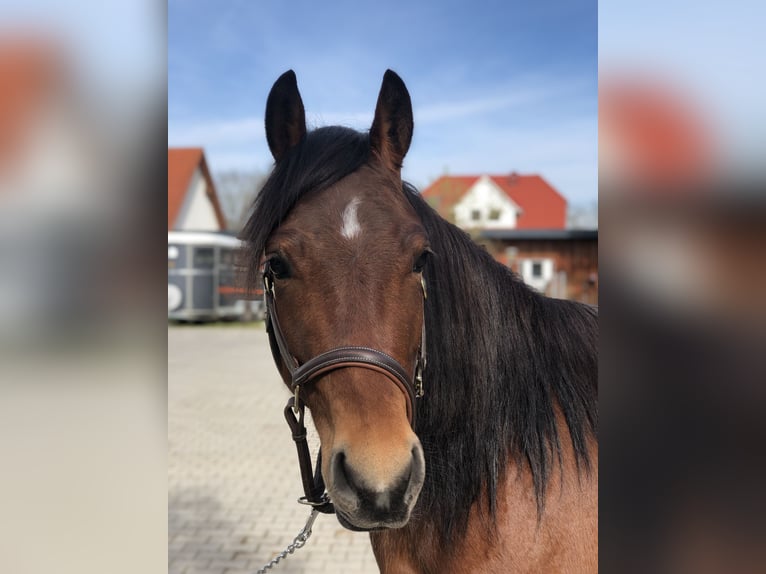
[
  {"x": 537, "y": 273},
  {"x": 475, "y": 215},
  {"x": 495, "y": 213}
]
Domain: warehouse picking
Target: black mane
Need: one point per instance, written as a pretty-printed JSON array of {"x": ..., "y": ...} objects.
[{"x": 502, "y": 359}]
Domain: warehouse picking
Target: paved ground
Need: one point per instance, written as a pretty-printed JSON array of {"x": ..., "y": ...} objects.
[{"x": 233, "y": 475}]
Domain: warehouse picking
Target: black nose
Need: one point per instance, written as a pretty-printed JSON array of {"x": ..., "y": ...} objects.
[{"x": 370, "y": 506}]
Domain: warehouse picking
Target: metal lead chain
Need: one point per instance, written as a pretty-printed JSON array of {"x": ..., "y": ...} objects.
[{"x": 298, "y": 542}]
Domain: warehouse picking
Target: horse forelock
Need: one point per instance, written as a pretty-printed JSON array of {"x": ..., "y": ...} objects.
[{"x": 325, "y": 156}]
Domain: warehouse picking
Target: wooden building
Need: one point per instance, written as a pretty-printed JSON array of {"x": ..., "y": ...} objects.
[
  {"x": 521, "y": 219},
  {"x": 561, "y": 263}
]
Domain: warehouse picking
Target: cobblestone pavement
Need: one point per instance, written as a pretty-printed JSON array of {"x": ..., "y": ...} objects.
[{"x": 233, "y": 476}]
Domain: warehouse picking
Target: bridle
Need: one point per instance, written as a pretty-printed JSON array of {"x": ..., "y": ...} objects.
[{"x": 302, "y": 375}]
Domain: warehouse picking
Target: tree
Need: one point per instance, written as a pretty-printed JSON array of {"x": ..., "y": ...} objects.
[{"x": 237, "y": 191}]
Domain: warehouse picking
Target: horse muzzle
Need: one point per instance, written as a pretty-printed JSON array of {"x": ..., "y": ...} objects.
[{"x": 364, "y": 503}]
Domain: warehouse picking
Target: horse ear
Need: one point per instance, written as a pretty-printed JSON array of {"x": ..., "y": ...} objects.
[
  {"x": 285, "y": 116},
  {"x": 391, "y": 131}
]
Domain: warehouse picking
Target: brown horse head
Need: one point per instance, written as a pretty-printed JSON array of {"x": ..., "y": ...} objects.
[{"x": 347, "y": 265}]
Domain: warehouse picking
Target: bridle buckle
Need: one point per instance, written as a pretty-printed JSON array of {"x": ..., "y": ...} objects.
[
  {"x": 296, "y": 403},
  {"x": 419, "y": 389}
]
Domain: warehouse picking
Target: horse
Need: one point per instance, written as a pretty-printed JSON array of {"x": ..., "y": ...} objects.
[{"x": 495, "y": 467}]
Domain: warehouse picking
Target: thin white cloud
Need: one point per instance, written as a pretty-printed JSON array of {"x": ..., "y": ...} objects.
[
  {"x": 564, "y": 153},
  {"x": 245, "y": 130},
  {"x": 531, "y": 129},
  {"x": 454, "y": 110},
  {"x": 524, "y": 92}
]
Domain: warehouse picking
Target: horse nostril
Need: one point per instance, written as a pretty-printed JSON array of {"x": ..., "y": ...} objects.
[
  {"x": 344, "y": 492},
  {"x": 342, "y": 475}
]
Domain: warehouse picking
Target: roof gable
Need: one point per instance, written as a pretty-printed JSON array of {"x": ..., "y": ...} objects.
[
  {"x": 542, "y": 207},
  {"x": 446, "y": 191},
  {"x": 494, "y": 182},
  {"x": 182, "y": 163}
]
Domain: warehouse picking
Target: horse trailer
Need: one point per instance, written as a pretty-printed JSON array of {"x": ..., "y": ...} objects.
[{"x": 202, "y": 277}]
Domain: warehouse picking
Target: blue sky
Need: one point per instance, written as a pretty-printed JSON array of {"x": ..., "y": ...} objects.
[{"x": 496, "y": 86}]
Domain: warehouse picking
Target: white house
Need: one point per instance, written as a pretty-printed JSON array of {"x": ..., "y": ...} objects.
[
  {"x": 486, "y": 206},
  {"x": 512, "y": 201},
  {"x": 525, "y": 208},
  {"x": 192, "y": 199}
]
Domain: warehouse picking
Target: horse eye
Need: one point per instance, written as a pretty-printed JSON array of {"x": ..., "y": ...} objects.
[
  {"x": 279, "y": 267},
  {"x": 421, "y": 261}
]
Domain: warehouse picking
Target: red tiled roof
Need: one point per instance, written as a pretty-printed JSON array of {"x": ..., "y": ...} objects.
[
  {"x": 446, "y": 191},
  {"x": 542, "y": 206},
  {"x": 182, "y": 163}
]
